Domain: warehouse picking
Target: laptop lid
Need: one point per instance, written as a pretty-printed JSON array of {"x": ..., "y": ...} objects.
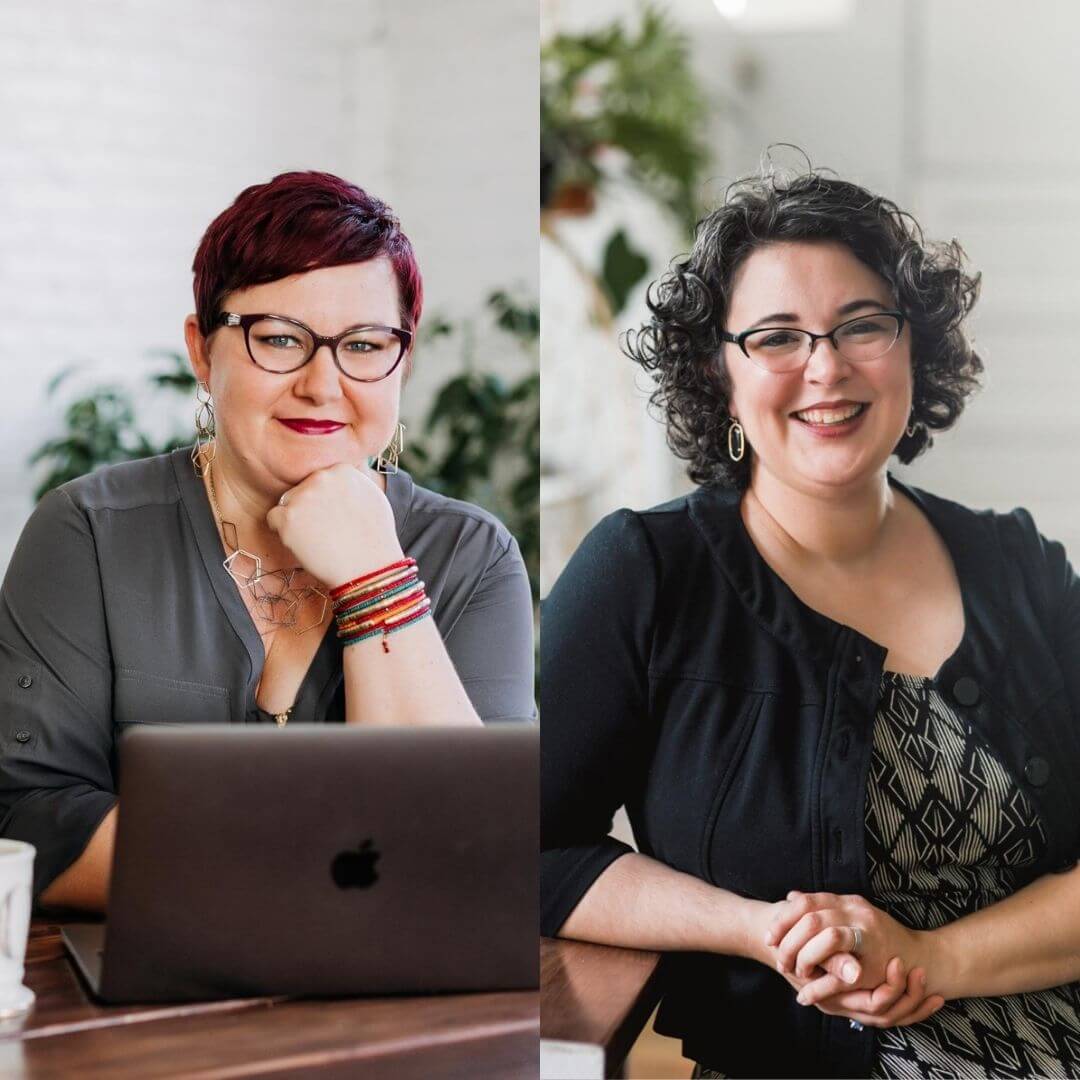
[{"x": 323, "y": 860}]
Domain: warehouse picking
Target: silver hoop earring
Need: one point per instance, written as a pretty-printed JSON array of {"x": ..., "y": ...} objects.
[
  {"x": 911, "y": 429},
  {"x": 205, "y": 430},
  {"x": 736, "y": 452}
]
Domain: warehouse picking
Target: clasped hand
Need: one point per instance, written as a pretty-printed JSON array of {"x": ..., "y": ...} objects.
[{"x": 809, "y": 938}]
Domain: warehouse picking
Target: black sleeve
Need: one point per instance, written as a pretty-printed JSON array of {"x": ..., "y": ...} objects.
[
  {"x": 1057, "y": 589},
  {"x": 56, "y": 740},
  {"x": 1066, "y": 637},
  {"x": 595, "y": 632}
]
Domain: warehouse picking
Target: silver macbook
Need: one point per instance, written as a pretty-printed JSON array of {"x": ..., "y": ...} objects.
[{"x": 319, "y": 860}]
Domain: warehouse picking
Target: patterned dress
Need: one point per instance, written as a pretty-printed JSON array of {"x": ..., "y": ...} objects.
[{"x": 946, "y": 826}]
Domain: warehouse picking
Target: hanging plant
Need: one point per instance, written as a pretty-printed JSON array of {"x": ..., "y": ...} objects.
[{"x": 630, "y": 89}]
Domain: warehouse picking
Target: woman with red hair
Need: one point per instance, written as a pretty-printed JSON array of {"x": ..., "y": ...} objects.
[{"x": 284, "y": 570}]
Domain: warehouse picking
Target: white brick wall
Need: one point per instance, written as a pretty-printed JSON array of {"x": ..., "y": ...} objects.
[
  {"x": 466, "y": 163},
  {"x": 127, "y": 126}
]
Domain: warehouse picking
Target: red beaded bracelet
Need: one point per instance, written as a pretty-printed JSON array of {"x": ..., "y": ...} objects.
[
  {"x": 342, "y": 589},
  {"x": 380, "y": 603}
]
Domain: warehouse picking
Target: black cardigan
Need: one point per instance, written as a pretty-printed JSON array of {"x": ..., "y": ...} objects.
[{"x": 682, "y": 677}]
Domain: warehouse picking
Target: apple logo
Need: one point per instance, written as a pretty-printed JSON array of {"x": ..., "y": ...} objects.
[{"x": 355, "y": 869}]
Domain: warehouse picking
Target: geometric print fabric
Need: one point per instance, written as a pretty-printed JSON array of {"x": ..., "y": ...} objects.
[{"x": 946, "y": 826}]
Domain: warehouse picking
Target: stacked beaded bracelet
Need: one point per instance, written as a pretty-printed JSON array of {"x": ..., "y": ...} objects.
[{"x": 380, "y": 603}]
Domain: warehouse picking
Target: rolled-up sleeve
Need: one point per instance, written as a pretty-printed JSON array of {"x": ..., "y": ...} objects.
[
  {"x": 594, "y": 643},
  {"x": 56, "y": 776},
  {"x": 491, "y": 643}
]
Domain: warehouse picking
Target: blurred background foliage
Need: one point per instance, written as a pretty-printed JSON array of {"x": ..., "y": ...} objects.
[
  {"x": 480, "y": 439},
  {"x": 631, "y": 90},
  {"x": 100, "y": 427}
]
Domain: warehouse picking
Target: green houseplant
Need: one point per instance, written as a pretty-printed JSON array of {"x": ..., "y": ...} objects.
[
  {"x": 631, "y": 89},
  {"x": 481, "y": 439},
  {"x": 628, "y": 88},
  {"x": 100, "y": 428}
]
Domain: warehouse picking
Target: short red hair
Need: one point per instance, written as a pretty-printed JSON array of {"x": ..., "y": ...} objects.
[{"x": 300, "y": 221}]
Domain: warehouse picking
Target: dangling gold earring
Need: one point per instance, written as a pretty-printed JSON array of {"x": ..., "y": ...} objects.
[
  {"x": 387, "y": 461},
  {"x": 205, "y": 430},
  {"x": 736, "y": 452}
]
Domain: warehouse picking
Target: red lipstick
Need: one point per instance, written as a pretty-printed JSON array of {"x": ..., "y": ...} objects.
[{"x": 311, "y": 427}]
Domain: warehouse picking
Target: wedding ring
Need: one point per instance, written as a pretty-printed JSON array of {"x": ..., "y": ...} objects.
[
  {"x": 282, "y": 500},
  {"x": 856, "y": 946}
]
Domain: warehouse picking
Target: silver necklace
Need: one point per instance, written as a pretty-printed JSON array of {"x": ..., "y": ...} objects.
[{"x": 277, "y": 601}]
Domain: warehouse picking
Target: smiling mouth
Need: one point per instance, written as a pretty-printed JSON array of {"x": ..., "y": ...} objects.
[{"x": 831, "y": 417}]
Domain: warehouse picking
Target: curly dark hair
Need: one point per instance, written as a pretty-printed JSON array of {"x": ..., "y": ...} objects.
[{"x": 681, "y": 346}]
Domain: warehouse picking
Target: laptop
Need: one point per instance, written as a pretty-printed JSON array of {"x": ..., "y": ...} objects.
[{"x": 319, "y": 860}]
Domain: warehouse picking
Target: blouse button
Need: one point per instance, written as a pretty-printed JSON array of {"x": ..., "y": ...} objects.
[
  {"x": 1037, "y": 771},
  {"x": 966, "y": 690},
  {"x": 25, "y": 681},
  {"x": 22, "y": 736}
]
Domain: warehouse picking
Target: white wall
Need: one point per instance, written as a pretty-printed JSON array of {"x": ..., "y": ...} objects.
[
  {"x": 127, "y": 126},
  {"x": 464, "y": 160}
]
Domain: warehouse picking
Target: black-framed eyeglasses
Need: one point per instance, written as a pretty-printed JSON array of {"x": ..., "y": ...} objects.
[
  {"x": 786, "y": 348},
  {"x": 279, "y": 344}
]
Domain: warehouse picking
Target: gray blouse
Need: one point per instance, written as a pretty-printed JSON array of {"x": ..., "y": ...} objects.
[{"x": 116, "y": 610}]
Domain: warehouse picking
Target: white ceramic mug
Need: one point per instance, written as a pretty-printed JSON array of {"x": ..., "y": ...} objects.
[{"x": 16, "y": 884}]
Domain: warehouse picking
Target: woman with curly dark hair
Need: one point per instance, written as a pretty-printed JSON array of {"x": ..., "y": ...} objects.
[{"x": 842, "y": 712}]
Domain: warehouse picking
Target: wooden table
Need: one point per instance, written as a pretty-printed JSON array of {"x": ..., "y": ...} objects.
[
  {"x": 594, "y": 1000},
  {"x": 483, "y": 1036}
]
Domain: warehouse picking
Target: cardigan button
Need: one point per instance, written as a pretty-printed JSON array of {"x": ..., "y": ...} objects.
[
  {"x": 966, "y": 690},
  {"x": 1037, "y": 771},
  {"x": 844, "y": 745},
  {"x": 25, "y": 681},
  {"x": 22, "y": 736}
]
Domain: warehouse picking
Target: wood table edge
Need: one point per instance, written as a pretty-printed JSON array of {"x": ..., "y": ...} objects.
[{"x": 618, "y": 1038}]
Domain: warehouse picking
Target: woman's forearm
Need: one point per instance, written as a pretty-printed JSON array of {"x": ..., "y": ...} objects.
[
  {"x": 85, "y": 883},
  {"x": 640, "y": 903},
  {"x": 413, "y": 684},
  {"x": 1028, "y": 941}
]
